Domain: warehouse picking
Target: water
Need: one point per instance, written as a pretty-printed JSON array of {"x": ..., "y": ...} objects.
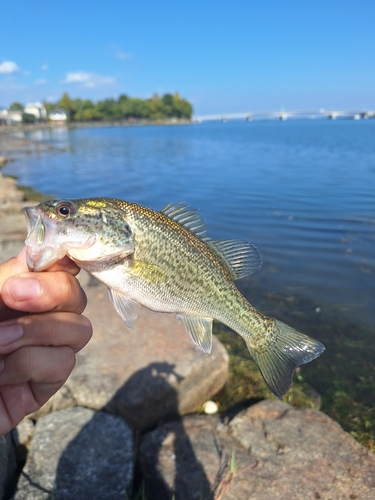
[{"x": 302, "y": 191}]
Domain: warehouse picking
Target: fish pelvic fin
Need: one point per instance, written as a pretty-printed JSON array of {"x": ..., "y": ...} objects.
[
  {"x": 127, "y": 308},
  {"x": 288, "y": 349},
  {"x": 200, "y": 331}
]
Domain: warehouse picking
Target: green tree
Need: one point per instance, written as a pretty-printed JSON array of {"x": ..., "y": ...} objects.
[
  {"x": 181, "y": 107},
  {"x": 136, "y": 108},
  {"x": 49, "y": 106},
  {"x": 109, "y": 109},
  {"x": 67, "y": 104},
  {"x": 123, "y": 98},
  {"x": 16, "y": 106},
  {"x": 125, "y": 108}
]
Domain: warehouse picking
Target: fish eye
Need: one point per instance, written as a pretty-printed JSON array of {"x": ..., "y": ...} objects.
[{"x": 65, "y": 209}]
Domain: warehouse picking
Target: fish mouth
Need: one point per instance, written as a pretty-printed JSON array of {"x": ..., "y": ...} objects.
[{"x": 41, "y": 251}]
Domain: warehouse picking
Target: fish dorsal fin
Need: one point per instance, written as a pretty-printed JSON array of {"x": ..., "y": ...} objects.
[
  {"x": 185, "y": 216},
  {"x": 241, "y": 258},
  {"x": 127, "y": 308},
  {"x": 200, "y": 331}
]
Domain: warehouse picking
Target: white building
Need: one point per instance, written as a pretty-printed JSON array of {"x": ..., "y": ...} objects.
[
  {"x": 10, "y": 117},
  {"x": 37, "y": 109},
  {"x": 58, "y": 115}
]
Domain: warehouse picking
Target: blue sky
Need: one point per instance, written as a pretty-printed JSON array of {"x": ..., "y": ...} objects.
[{"x": 223, "y": 56}]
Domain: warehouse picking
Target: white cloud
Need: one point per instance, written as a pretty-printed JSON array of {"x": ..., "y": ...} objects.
[
  {"x": 9, "y": 68},
  {"x": 41, "y": 81},
  {"x": 123, "y": 55},
  {"x": 89, "y": 80},
  {"x": 44, "y": 67},
  {"x": 80, "y": 76}
]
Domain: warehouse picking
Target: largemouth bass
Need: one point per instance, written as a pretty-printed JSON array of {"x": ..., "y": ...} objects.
[{"x": 164, "y": 261}]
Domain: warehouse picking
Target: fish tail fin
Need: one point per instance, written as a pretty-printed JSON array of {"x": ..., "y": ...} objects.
[{"x": 288, "y": 349}]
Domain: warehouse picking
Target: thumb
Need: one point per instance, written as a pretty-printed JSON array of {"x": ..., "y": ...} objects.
[{"x": 15, "y": 265}]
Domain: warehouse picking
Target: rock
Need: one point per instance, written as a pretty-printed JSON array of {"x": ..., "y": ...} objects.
[
  {"x": 10, "y": 196},
  {"x": 189, "y": 458},
  {"x": 60, "y": 401},
  {"x": 270, "y": 450},
  {"x": 306, "y": 452},
  {"x": 78, "y": 453},
  {"x": 3, "y": 161},
  {"x": 21, "y": 437},
  {"x": 146, "y": 374},
  {"x": 8, "y": 466}
]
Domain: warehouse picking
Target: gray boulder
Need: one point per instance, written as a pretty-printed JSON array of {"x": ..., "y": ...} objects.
[
  {"x": 78, "y": 453},
  {"x": 270, "y": 450}
]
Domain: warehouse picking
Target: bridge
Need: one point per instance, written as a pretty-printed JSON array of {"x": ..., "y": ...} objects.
[{"x": 284, "y": 115}]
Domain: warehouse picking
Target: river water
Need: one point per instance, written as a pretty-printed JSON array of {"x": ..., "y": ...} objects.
[{"x": 303, "y": 191}]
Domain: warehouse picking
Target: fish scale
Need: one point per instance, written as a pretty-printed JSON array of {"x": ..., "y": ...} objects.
[{"x": 164, "y": 261}]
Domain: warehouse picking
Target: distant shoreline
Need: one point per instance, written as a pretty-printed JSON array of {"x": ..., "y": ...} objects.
[{"x": 8, "y": 129}]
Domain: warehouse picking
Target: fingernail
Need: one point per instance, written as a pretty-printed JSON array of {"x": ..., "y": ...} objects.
[
  {"x": 21, "y": 252},
  {"x": 25, "y": 288},
  {"x": 10, "y": 333}
]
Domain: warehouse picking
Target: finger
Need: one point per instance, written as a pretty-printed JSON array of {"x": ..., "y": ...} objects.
[
  {"x": 46, "y": 291},
  {"x": 18, "y": 265},
  {"x": 66, "y": 265},
  {"x": 48, "y": 329},
  {"x": 16, "y": 401},
  {"x": 46, "y": 368}
]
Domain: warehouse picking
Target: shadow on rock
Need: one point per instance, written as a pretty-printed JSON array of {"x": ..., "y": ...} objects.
[{"x": 92, "y": 464}]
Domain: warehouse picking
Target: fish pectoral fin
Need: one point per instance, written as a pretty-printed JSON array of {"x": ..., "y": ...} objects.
[
  {"x": 288, "y": 350},
  {"x": 200, "y": 331},
  {"x": 241, "y": 257},
  {"x": 127, "y": 308}
]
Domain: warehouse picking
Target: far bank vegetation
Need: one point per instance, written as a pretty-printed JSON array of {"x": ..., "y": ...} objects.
[{"x": 124, "y": 108}]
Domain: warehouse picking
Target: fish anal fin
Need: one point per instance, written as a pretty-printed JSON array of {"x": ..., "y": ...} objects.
[
  {"x": 186, "y": 217},
  {"x": 200, "y": 331},
  {"x": 241, "y": 258},
  {"x": 288, "y": 350},
  {"x": 127, "y": 308}
]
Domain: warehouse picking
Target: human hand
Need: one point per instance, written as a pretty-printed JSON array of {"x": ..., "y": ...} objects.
[{"x": 41, "y": 329}]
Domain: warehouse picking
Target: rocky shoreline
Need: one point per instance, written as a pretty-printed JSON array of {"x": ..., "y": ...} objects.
[{"x": 128, "y": 423}]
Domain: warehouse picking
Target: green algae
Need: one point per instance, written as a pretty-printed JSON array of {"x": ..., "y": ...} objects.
[{"x": 341, "y": 382}]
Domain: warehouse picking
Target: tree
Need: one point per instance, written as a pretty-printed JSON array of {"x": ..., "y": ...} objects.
[
  {"x": 109, "y": 109},
  {"x": 67, "y": 104},
  {"x": 181, "y": 107},
  {"x": 16, "y": 106},
  {"x": 136, "y": 108},
  {"x": 125, "y": 108}
]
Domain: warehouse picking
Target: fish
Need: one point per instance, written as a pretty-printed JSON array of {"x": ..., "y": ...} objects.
[{"x": 164, "y": 261}]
